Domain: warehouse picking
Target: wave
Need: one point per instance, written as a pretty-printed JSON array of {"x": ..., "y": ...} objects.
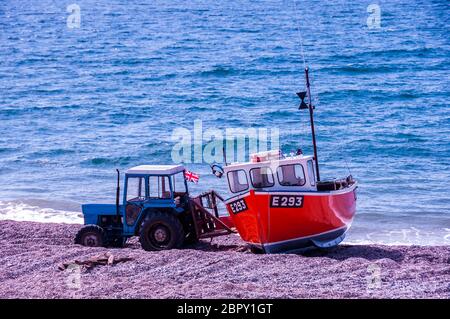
[
  {"x": 7, "y": 149},
  {"x": 399, "y": 236},
  {"x": 52, "y": 152},
  {"x": 100, "y": 161},
  {"x": 358, "y": 69},
  {"x": 25, "y": 109},
  {"x": 279, "y": 114},
  {"x": 376, "y": 95},
  {"x": 392, "y": 53},
  {"x": 36, "y": 60},
  {"x": 20, "y": 211},
  {"x": 133, "y": 61},
  {"x": 219, "y": 71}
]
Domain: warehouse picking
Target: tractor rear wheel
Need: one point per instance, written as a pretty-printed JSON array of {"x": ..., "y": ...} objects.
[
  {"x": 160, "y": 231},
  {"x": 91, "y": 236}
]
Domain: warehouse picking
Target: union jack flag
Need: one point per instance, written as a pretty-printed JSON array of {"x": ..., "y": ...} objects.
[{"x": 191, "y": 177}]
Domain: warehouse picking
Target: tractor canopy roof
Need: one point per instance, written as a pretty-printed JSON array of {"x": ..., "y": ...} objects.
[{"x": 155, "y": 169}]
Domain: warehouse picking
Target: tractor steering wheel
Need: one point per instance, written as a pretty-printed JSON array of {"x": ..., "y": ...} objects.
[{"x": 217, "y": 170}]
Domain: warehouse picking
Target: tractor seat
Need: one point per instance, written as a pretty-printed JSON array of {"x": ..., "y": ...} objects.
[{"x": 165, "y": 195}]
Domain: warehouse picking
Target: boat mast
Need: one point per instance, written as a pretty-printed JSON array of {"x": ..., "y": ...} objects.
[
  {"x": 309, "y": 106},
  {"x": 311, "y": 116}
]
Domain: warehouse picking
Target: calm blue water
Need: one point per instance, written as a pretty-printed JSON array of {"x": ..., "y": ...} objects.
[{"x": 77, "y": 103}]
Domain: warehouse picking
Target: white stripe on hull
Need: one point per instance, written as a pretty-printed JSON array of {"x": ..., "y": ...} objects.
[
  {"x": 332, "y": 238},
  {"x": 304, "y": 237},
  {"x": 315, "y": 193}
]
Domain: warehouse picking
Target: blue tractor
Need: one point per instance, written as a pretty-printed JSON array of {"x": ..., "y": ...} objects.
[{"x": 156, "y": 206}]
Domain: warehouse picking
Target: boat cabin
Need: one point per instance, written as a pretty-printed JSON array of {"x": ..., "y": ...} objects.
[{"x": 270, "y": 171}]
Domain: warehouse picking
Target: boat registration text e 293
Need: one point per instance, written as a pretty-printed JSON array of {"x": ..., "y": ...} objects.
[
  {"x": 286, "y": 201},
  {"x": 238, "y": 206}
]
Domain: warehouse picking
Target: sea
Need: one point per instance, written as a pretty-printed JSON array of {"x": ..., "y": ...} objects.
[{"x": 87, "y": 87}]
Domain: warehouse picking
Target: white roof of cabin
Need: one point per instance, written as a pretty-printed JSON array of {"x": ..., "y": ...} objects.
[
  {"x": 273, "y": 163},
  {"x": 156, "y": 169}
]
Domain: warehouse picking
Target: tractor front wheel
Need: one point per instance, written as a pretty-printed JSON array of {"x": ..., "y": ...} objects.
[
  {"x": 160, "y": 231},
  {"x": 91, "y": 236}
]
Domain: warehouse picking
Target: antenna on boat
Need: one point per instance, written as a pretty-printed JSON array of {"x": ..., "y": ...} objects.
[
  {"x": 302, "y": 95},
  {"x": 224, "y": 153},
  {"x": 304, "y": 105}
]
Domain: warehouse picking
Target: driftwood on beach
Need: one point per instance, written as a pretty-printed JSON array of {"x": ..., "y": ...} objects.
[{"x": 102, "y": 260}]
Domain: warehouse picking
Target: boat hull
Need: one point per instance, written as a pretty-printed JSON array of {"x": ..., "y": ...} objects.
[{"x": 282, "y": 221}]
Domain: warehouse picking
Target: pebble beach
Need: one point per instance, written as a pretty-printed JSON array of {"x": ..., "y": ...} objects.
[{"x": 32, "y": 253}]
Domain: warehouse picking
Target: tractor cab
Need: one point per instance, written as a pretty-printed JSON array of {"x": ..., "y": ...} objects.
[
  {"x": 155, "y": 182},
  {"x": 153, "y": 186}
]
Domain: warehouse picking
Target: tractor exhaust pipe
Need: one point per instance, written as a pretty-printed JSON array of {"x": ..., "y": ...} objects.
[{"x": 118, "y": 193}]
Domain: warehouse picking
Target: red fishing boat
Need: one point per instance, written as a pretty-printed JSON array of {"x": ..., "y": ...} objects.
[{"x": 281, "y": 204}]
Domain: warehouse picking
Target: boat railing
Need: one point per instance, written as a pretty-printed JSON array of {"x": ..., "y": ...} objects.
[
  {"x": 207, "y": 221},
  {"x": 335, "y": 184}
]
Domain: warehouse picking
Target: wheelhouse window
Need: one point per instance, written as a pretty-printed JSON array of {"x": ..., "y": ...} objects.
[
  {"x": 311, "y": 174},
  {"x": 179, "y": 186},
  {"x": 261, "y": 177},
  {"x": 237, "y": 180},
  {"x": 291, "y": 175},
  {"x": 135, "y": 189},
  {"x": 159, "y": 187}
]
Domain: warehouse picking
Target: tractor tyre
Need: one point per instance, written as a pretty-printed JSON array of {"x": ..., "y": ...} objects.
[
  {"x": 161, "y": 231},
  {"x": 91, "y": 236}
]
